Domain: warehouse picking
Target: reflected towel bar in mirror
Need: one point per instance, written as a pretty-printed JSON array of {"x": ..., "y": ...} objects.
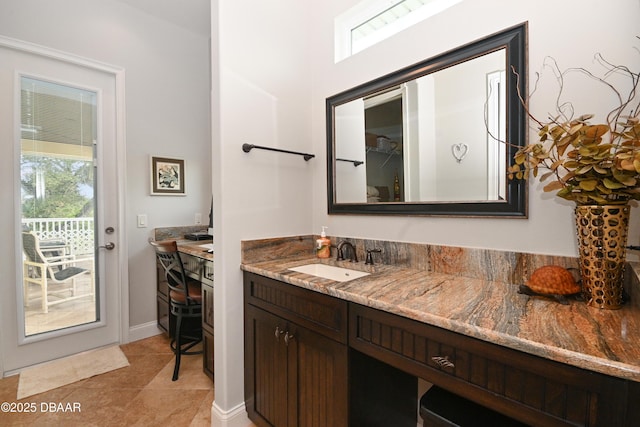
[{"x": 355, "y": 162}]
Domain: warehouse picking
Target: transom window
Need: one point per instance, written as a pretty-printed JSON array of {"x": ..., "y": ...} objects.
[{"x": 372, "y": 21}]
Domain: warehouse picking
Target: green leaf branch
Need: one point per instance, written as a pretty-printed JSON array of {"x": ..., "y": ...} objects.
[{"x": 584, "y": 162}]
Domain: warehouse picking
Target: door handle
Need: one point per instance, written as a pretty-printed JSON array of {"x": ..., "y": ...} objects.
[
  {"x": 109, "y": 246},
  {"x": 443, "y": 362}
]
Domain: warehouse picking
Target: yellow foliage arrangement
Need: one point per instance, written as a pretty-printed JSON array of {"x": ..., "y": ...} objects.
[{"x": 590, "y": 164}]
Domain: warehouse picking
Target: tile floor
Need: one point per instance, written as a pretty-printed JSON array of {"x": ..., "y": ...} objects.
[{"x": 141, "y": 394}]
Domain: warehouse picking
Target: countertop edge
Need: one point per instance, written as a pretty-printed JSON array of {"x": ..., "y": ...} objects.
[{"x": 580, "y": 360}]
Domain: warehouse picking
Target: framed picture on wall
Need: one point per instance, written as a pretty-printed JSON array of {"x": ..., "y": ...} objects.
[{"x": 167, "y": 177}]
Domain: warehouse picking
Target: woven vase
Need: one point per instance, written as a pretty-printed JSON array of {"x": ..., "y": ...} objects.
[{"x": 602, "y": 237}]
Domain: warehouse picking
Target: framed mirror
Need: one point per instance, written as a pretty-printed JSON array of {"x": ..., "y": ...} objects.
[{"x": 429, "y": 139}]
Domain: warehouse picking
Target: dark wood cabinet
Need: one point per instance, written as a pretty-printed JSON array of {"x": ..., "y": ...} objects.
[
  {"x": 207, "y": 329},
  {"x": 315, "y": 360},
  {"x": 295, "y": 356},
  {"x": 534, "y": 390},
  {"x": 166, "y": 322}
]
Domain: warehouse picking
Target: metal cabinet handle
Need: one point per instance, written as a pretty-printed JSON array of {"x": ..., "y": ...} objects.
[
  {"x": 443, "y": 361},
  {"x": 278, "y": 333},
  {"x": 288, "y": 337}
]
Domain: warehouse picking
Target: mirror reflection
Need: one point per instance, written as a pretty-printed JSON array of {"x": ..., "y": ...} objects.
[{"x": 427, "y": 139}]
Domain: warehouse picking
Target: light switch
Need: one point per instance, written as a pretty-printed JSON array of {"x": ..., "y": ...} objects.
[
  {"x": 142, "y": 220},
  {"x": 198, "y": 218}
]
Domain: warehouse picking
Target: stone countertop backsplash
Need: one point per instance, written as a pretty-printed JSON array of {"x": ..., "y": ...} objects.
[
  {"x": 164, "y": 233},
  {"x": 473, "y": 292}
]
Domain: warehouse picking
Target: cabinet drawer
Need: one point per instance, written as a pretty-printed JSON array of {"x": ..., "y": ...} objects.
[
  {"x": 321, "y": 313},
  {"x": 198, "y": 268},
  {"x": 534, "y": 390}
]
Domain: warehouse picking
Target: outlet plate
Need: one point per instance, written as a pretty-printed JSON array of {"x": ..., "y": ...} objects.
[{"x": 198, "y": 218}]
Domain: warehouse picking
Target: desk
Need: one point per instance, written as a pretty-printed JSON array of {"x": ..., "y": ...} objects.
[{"x": 198, "y": 264}]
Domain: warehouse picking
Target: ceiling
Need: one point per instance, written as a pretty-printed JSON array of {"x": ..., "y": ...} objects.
[{"x": 192, "y": 15}]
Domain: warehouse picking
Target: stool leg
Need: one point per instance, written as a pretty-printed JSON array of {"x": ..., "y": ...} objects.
[{"x": 176, "y": 369}]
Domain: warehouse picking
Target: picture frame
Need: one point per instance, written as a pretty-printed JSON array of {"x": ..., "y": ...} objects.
[{"x": 167, "y": 176}]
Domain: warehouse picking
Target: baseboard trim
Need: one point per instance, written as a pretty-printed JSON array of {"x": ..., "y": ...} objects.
[
  {"x": 146, "y": 330},
  {"x": 235, "y": 417}
]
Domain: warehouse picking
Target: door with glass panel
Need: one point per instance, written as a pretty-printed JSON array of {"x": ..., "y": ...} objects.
[{"x": 65, "y": 297}]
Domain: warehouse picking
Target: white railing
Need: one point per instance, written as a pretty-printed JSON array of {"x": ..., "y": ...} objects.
[{"x": 76, "y": 232}]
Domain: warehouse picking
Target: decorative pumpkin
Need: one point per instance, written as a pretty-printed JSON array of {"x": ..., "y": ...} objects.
[{"x": 553, "y": 281}]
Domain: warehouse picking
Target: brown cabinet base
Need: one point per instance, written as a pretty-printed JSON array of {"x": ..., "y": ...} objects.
[
  {"x": 207, "y": 329},
  {"x": 386, "y": 355},
  {"x": 530, "y": 389},
  {"x": 295, "y": 371}
]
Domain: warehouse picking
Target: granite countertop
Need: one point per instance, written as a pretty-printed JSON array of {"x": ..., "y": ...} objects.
[
  {"x": 605, "y": 341},
  {"x": 189, "y": 247},
  {"x": 195, "y": 248}
]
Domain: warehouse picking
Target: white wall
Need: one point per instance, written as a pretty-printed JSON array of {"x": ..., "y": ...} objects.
[
  {"x": 349, "y": 126},
  {"x": 570, "y": 31},
  {"x": 261, "y": 95},
  {"x": 167, "y": 109},
  {"x": 461, "y": 93}
]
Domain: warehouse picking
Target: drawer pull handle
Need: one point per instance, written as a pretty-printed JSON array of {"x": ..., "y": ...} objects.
[
  {"x": 288, "y": 337},
  {"x": 444, "y": 362},
  {"x": 278, "y": 333}
]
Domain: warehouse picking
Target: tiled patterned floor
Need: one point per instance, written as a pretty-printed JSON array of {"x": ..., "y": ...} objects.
[{"x": 141, "y": 394}]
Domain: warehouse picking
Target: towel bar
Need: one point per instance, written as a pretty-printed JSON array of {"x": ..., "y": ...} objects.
[{"x": 248, "y": 147}]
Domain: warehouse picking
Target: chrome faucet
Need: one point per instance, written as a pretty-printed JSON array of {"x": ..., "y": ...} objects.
[{"x": 341, "y": 255}]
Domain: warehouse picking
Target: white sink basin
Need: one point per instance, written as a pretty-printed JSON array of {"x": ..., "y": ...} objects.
[{"x": 330, "y": 272}]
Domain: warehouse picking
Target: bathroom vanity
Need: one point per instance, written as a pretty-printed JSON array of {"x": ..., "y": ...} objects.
[{"x": 349, "y": 353}]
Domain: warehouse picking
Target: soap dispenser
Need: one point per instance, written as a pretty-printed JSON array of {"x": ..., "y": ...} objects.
[{"x": 323, "y": 245}]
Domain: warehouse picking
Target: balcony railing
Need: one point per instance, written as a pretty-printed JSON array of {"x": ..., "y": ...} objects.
[{"x": 76, "y": 232}]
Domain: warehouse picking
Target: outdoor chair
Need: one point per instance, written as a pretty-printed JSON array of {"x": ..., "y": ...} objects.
[{"x": 55, "y": 273}]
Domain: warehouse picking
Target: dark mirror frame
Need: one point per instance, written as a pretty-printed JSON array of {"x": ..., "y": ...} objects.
[{"x": 514, "y": 40}]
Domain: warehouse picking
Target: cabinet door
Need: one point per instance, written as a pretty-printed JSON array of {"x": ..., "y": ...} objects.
[
  {"x": 266, "y": 368},
  {"x": 321, "y": 379},
  {"x": 207, "y": 329},
  {"x": 293, "y": 377},
  {"x": 166, "y": 322}
]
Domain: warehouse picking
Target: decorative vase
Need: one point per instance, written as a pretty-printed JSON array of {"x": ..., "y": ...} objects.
[{"x": 602, "y": 237}]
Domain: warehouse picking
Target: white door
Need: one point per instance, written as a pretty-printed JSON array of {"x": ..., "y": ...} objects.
[{"x": 60, "y": 130}]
